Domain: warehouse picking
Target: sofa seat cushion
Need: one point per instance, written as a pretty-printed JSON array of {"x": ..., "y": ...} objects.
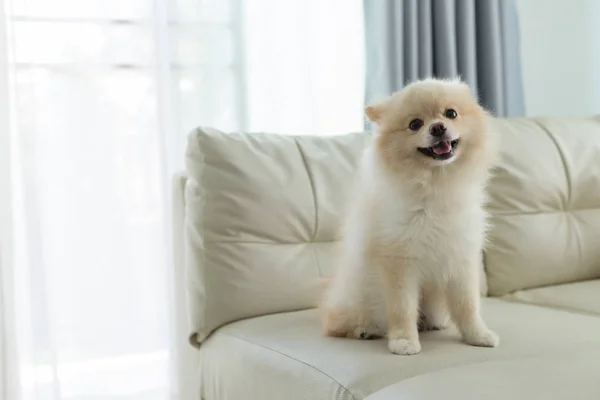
[
  {"x": 583, "y": 297},
  {"x": 284, "y": 356},
  {"x": 559, "y": 375}
]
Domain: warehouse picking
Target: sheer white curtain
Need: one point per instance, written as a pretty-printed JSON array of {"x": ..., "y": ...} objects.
[{"x": 96, "y": 98}]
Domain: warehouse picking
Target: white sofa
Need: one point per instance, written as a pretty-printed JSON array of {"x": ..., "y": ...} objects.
[{"x": 260, "y": 216}]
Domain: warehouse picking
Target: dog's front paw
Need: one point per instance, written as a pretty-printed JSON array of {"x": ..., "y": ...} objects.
[
  {"x": 483, "y": 338},
  {"x": 404, "y": 347}
]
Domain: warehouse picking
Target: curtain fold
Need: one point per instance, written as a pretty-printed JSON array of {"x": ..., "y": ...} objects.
[
  {"x": 477, "y": 40},
  {"x": 9, "y": 376}
]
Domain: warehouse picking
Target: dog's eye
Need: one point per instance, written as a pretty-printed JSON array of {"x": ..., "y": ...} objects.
[
  {"x": 450, "y": 113},
  {"x": 415, "y": 124}
]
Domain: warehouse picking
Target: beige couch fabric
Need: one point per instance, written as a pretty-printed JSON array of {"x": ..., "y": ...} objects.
[
  {"x": 284, "y": 356},
  {"x": 580, "y": 297},
  {"x": 262, "y": 217},
  {"x": 552, "y": 376},
  {"x": 545, "y": 204}
]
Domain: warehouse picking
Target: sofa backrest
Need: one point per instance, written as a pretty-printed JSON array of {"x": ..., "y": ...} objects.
[
  {"x": 261, "y": 224},
  {"x": 545, "y": 204},
  {"x": 262, "y": 214}
]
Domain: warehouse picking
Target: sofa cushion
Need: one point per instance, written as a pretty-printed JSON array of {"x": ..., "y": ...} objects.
[
  {"x": 545, "y": 204},
  {"x": 262, "y": 217},
  {"x": 582, "y": 297},
  {"x": 284, "y": 356},
  {"x": 551, "y": 376}
]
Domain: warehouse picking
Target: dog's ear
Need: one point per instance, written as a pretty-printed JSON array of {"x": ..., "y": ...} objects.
[{"x": 374, "y": 110}]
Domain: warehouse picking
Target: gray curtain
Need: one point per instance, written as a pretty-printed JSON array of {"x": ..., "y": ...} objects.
[{"x": 475, "y": 39}]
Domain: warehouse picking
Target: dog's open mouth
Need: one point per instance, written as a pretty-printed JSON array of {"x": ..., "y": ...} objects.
[{"x": 442, "y": 150}]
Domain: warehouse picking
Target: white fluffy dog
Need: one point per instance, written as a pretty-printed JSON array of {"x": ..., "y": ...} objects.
[{"x": 416, "y": 229}]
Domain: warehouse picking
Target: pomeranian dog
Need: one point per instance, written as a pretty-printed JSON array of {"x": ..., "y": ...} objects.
[{"x": 415, "y": 232}]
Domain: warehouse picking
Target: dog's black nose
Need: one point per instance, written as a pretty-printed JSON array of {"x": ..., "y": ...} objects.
[{"x": 437, "y": 129}]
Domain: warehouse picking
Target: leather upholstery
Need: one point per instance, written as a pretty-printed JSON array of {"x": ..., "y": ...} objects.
[
  {"x": 545, "y": 204},
  {"x": 284, "y": 356},
  {"x": 262, "y": 213},
  {"x": 579, "y": 297},
  {"x": 260, "y": 217}
]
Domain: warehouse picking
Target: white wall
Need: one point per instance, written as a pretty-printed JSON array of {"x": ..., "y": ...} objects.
[{"x": 560, "y": 46}]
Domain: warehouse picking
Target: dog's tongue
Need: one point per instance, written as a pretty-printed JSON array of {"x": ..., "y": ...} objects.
[{"x": 442, "y": 147}]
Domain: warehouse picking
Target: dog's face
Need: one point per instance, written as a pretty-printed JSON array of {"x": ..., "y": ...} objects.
[{"x": 429, "y": 124}]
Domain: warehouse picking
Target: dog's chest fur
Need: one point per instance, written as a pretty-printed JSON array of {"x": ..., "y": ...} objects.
[{"x": 436, "y": 225}]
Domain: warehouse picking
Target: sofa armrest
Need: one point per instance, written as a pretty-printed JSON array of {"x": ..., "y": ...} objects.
[{"x": 186, "y": 356}]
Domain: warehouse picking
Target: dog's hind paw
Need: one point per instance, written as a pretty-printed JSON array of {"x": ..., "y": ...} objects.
[
  {"x": 368, "y": 332},
  {"x": 484, "y": 338}
]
